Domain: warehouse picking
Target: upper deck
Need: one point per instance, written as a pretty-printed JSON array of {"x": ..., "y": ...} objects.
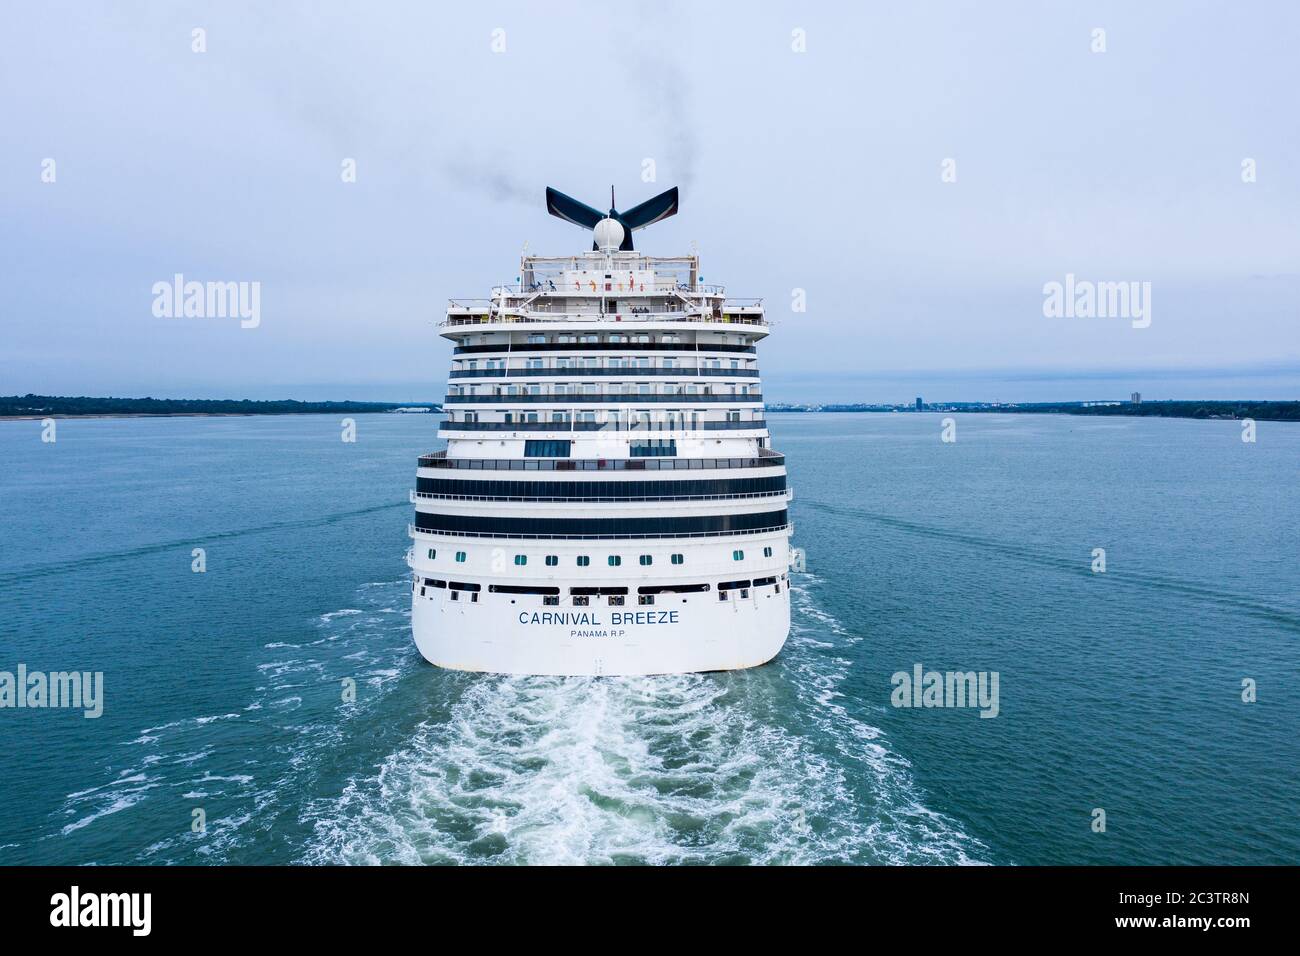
[{"x": 605, "y": 288}]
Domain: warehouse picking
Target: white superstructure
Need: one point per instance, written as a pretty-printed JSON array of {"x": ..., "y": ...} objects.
[{"x": 607, "y": 502}]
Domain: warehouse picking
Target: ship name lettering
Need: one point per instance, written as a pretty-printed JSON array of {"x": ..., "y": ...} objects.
[
  {"x": 583, "y": 619},
  {"x": 644, "y": 617}
]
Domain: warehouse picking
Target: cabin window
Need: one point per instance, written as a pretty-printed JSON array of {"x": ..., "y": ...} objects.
[
  {"x": 552, "y": 560},
  {"x": 615, "y": 560},
  {"x": 460, "y": 557},
  {"x": 433, "y": 553},
  {"x": 647, "y": 560},
  {"x": 584, "y": 560},
  {"x": 521, "y": 560},
  {"x": 547, "y": 448},
  {"x": 653, "y": 447},
  {"x": 738, "y": 556},
  {"x": 679, "y": 559}
]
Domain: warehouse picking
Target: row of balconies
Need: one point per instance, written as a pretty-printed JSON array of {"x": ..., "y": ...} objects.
[
  {"x": 787, "y": 528},
  {"x": 593, "y": 398},
  {"x": 569, "y": 424},
  {"x": 508, "y": 319},
  {"x": 766, "y": 458},
  {"x": 690, "y": 347},
  {"x": 786, "y": 493},
  {"x": 564, "y": 371}
]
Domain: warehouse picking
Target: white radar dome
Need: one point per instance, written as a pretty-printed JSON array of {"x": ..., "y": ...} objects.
[{"x": 609, "y": 235}]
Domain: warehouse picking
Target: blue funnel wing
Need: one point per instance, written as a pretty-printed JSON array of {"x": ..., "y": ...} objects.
[
  {"x": 651, "y": 211},
  {"x": 570, "y": 210}
]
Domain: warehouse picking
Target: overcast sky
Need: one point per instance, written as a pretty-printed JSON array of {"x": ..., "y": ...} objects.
[{"x": 818, "y": 170}]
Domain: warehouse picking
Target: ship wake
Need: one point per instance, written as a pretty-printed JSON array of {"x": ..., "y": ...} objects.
[
  {"x": 771, "y": 765},
  {"x": 761, "y": 766}
]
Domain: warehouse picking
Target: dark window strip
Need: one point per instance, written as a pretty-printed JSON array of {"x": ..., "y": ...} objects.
[
  {"x": 439, "y": 460},
  {"x": 603, "y": 490},
  {"x": 599, "y": 527},
  {"x": 574, "y": 399},
  {"x": 504, "y": 350},
  {"x": 614, "y": 426}
]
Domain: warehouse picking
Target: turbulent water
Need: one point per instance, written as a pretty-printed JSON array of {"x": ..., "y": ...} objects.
[{"x": 225, "y": 689}]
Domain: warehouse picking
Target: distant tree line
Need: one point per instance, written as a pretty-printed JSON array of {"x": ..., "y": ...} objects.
[
  {"x": 1260, "y": 411},
  {"x": 13, "y": 405}
]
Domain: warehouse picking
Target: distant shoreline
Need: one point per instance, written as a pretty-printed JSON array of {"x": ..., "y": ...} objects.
[
  {"x": 38, "y": 407},
  {"x": 63, "y": 416},
  {"x": 1280, "y": 411}
]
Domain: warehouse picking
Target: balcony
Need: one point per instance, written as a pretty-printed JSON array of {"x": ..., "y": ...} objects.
[
  {"x": 504, "y": 348},
  {"x": 766, "y": 458},
  {"x": 506, "y": 316},
  {"x": 413, "y": 531},
  {"x": 576, "y": 372},
  {"x": 740, "y": 496},
  {"x": 624, "y": 398},
  {"x": 571, "y": 426}
]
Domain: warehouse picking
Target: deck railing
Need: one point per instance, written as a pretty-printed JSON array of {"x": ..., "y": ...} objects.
[
  {"x": 449, "y": 426},
  {"x": 682, "y": 371},
  {"x": 619, "y": 398},
  {"x": 765, "y": 459},
  {"x": 412, "y": 530},
  {"x": 538, "y": 318}
]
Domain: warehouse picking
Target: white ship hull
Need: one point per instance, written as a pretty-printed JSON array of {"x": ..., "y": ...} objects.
[{"x": 692, "y": 633}]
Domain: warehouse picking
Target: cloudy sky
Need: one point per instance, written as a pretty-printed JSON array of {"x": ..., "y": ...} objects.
[{"x": 818, "y": 170}]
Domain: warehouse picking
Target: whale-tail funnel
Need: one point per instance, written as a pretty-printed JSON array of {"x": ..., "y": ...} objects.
[{"x": 638, "y": 217}]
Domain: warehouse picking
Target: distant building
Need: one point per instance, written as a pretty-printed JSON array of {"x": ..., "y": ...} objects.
[
  {"x": 918, "y": 403},
  {"x": 1136, "y": 398}
]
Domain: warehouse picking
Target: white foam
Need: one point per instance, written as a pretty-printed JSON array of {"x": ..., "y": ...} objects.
[
  {"x": 344, "y": 612},
  {"x": 765, "y": 766},
  {"x": 120, "y": 802}
]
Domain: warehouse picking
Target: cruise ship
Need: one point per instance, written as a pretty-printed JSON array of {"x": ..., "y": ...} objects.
[{"x": 607, "y": 503}]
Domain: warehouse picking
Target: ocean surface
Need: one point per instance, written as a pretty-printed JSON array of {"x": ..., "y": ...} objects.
[{"x": 223, "y": 690}]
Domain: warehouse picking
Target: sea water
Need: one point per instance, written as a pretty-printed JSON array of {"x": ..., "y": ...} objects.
[{"x": 228, "y": 733}]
